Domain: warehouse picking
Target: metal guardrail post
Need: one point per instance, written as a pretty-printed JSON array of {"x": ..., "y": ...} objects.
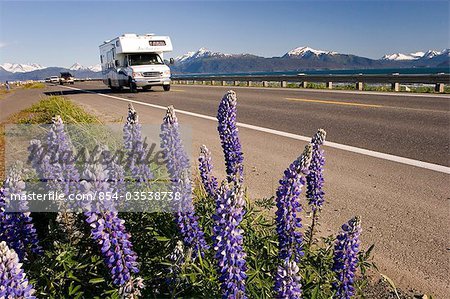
[
  {"x": 395, "y": 86},
  {"x": 265, "y": 84},
  {"x": 359, "y": 86},
  {"x": 283, "y": 83},
  {"x": 249, "y": 83},
  {"x": 236, "y": 83},
  {"x": 224, "y": 83},
  {"x": 439, "y": 87},
  {"x": 330, "y": 85},
  {"x": 304, "y": 84}
]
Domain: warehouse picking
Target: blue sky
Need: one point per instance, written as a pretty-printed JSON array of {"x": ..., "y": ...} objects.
[{"x": 61, "y": 33}]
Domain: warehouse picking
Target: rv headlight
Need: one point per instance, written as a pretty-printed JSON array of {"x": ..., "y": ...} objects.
[
  {"x": 166, "y": 73},
  {"x": 137, "y": 74}
]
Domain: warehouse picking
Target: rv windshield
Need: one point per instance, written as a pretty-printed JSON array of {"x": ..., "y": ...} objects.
[{"x": 144, "y": 59}]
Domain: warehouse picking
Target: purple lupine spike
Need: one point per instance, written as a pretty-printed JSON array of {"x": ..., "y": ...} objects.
[
  {"x": 54, "y": 161},
  {"x": 288, "y": 221},
  {"x": 108, "y": 230},
  {"x": 178, "y": 167},
  {"x": 314, "y": 180},
  {"x": 345, "y": 258},
  {"x": 17, "y": 228},
  {"x": 134, "y": 144},
  {"x": 228, "y": 240},
  {"x": 228, "y": 133},
  {"x": 13, "y": 281},
  {"x": 132, "y": 289},
  {"x": 132, "y": 128},
  {"x": 288, "y": 280},
  {"x": 62, "y": 151},
  {"x": 205, "y": 167}
]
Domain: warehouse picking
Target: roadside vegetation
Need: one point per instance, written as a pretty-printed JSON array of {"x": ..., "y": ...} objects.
[
  {"x": 221, "y": 244},
  {"x": 49, "y": 106},
  {"x": 34, "y": 85}
]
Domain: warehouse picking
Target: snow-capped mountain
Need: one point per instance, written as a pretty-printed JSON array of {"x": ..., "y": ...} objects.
[
  {"x": 95, "y": 67},
  {"x": 78, "y": 67},
  {"x": 200, "y": 53},
  {"x": 303, "y": 52},
  {"x": 401, "y": 56},
  {"x": 415, "y": 56},
  {"x": 21, "y": 68},
  {"x": 432, "y": 53}
]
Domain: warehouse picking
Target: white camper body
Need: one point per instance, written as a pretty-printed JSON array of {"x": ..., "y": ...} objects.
[{"x": 133, "y": 61}]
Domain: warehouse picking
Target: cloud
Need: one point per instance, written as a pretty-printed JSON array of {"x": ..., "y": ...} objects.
[{"x": 2, "y": 44}]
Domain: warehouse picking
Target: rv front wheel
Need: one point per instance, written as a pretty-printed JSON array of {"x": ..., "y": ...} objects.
[
  {"x": 132, "y": 85},
  {"x": 166, "y": 87}
]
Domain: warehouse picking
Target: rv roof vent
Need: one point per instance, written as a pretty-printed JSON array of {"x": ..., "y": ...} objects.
[
  {"x": 149, "y": 34},
  {"x": 129, "y": 34}
]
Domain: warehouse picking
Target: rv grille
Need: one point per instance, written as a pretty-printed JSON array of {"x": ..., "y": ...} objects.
[{"x": 152, "y": 74}]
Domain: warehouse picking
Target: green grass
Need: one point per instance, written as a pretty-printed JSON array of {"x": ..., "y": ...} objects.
[
  {"x": 4, "y": 91},
  {"x": 43, "y": 111},
  {"x": 34, "y": 85}
]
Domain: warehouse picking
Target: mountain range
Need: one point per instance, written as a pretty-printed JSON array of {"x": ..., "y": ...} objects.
[
  {"x": 206, "y": 61},
  {"x": 302, "y": 59}
]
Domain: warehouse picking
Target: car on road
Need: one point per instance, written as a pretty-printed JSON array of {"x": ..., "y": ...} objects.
[
  {"x": 66, "y": 77},
  {"x": 54, "y": 79}
]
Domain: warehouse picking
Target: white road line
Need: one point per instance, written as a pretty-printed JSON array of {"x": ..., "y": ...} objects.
[{"x": 407, "y": 161}]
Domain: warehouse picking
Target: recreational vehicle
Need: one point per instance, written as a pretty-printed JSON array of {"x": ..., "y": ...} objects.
[{"x": 134, "y": 61}]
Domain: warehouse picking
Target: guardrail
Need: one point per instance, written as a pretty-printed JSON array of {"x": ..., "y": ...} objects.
[{"x": 439, "y": 80}]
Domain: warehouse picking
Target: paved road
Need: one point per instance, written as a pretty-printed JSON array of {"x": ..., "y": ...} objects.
[
  {"x": 405, "y": 209},
  {"x": 407, "y": 126}
]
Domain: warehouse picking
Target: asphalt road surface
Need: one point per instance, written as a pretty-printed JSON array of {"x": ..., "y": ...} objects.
[{"x": 404, "y": 206}]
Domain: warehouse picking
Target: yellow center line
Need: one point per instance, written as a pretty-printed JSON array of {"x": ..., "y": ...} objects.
[
  {"x": 177, "y": 90},
  {"x": 335, "y": 103}
]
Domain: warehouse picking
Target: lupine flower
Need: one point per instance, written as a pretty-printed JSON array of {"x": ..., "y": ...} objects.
[
  {"x": 13, "y": 281},
  {"x": 228, "y": 240},
  {"x": 17, "y": 228},
  {"x": 178, "y": 167},
  {"x": 205, "y": 167},
  {"x": 61, "y": 154},
  {"x": 345, "y": 258},
  {"x": 54, "y": 161},
  {"x": 288, "y": 280},
  {"x": 132, "y": 128},
  {"x": 132, "y": 289},
  {"x": 228, "y": 133},
  {"x": 177, "y": 258},
  {"x": 314, "y": 180},
  {"x": 108, "y": 230},
  {"x": 288, "y": 221},
  {"x": 133, "y": 142}
]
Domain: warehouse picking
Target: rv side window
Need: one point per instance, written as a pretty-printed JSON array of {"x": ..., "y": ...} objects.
[
  {"x": 101, "y": 58},
  {"x": 144, "y": 59}
]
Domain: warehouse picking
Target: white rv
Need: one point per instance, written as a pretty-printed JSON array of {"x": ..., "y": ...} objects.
[{"x": 134, "y": 61}]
